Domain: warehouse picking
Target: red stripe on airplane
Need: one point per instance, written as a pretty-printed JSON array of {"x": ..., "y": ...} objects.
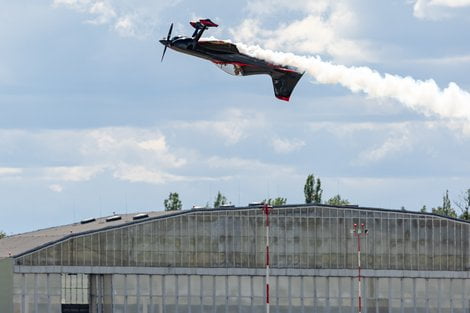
[
  {"x": 283, "y": 98},
  {"x": 208, "y": 23},
  {"x": 286, "y": 69},
  {"x": 234, "y": 63}
]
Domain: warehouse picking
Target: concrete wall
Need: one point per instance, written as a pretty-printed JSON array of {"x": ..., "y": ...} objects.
[
  {"x": 6, "y": 285},
  {"x": 235, "y": 290}
]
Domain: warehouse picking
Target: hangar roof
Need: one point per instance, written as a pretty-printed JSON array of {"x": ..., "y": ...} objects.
[{"x": 17, "y": 244}]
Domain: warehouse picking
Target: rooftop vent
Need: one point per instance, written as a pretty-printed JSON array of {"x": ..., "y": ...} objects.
[
  {"x": 140, "y": 216},
  {"x": 113, "y": 218},
  {"x": 89, "y": 220}
]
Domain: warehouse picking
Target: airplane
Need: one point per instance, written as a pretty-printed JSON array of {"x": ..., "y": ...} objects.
[{"x": 227, "y": 57}]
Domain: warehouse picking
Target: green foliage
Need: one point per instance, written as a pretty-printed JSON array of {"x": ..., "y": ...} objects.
[
  {"x": 318, "y": 192},
  {"x": 337, "y": 200},
  {"x": 276, "y": 201},
  {"x": 2, "y": 234},
  {"x": 308, "y": 188},
  {"x": 423, "y": 209},
  {"x": 173, "y": 203},
  {"x": 220, "y": 200},
  {"x": 446, "y": 208},
  {"x": 312, "y": 190},
  {"x": 464, "y": 206}
]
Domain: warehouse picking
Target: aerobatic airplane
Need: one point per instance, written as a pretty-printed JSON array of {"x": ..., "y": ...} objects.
[{"x": 226, "y": 56}]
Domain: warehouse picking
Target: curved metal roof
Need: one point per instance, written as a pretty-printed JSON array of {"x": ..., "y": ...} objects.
[{"x": 17, "y": 245}]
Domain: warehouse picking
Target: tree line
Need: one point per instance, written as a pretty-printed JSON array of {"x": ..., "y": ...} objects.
[
  {"x": 460, "y": 209},
  {"x": 313, "y": 193},
  {"x": 312, "y": 190}
]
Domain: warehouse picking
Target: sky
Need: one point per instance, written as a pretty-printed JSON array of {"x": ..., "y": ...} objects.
[{"x": 92, "y": 122}]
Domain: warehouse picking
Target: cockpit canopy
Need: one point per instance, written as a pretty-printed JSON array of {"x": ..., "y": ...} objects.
[{"x": 229, "y": 68}]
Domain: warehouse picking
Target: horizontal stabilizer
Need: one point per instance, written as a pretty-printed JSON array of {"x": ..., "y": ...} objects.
[
  {"x": 207, "y": 22},
  {"x": 284, "y": 83},
  {"x": 203, "y": 24}
]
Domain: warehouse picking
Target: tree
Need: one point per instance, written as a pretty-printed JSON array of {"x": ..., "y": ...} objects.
[
  {"x": 220, "y": 200},
  {"x": 276, "y": 201},
  {"x": 336, "y": 200},
  {"x": 464, "y": 205},
  {"x": 424, "y": 209},
  {"x": 312, "y": 190},
  {"x": 318, "y": 192},
  {"x": 173, "y": 203},
  {"x": 2, "y": 234},
  {"x": 446, "y": 208}
]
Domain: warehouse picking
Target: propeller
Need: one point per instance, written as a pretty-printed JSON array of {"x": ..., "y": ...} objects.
[{"x": 167, "y": 41}]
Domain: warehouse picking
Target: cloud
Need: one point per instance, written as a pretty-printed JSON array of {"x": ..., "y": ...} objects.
[
  {"x": 125, "y": 26},
  {"x": 127, "y": 18},
  {"x": 252, "y": 167},
  {"x": 130, "y": 144},
  {"x": 72, "y": 173},
  {"x": 393, "y": 145},
  {"x": 437, "y": 9},
  {"x": 284, "y": 146},
  {"x": 445, "y": 61},
  {"x": 142, "y": 174},
  {"x": 341, "y": 129},
  {"x": 138, "y": 173},
  {"x": 233, "y": 125},
  {"x": 77, "y": 156},
  {"x": 56, "y": 188},
  {"x": 131, "y": 154},
  {"x": 10, "y": 171},
  {"x": 323, "y": 27},
  {"x": 102, "y": 11}
]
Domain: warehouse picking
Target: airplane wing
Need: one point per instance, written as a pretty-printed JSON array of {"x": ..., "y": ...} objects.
[
  {"x": 284, "y": 80},
  {"x": 219, "y": 46}
]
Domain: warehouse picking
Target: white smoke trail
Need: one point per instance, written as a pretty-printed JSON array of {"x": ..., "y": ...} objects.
[{"x": 425, "y": 97}]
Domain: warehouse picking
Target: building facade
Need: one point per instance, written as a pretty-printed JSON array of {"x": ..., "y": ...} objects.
[{"x": 213, "y": 261}]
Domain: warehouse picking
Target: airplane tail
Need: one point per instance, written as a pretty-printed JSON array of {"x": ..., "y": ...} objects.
[
  {"x": 284, "y": 82},
  {"x": 200, "y": 26}
]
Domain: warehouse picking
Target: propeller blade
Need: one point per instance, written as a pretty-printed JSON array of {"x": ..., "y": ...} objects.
[
  {"x": 169, "y": 32},
  {"x": 163, "y": 55},
  {"x": 167, "y": 41}
]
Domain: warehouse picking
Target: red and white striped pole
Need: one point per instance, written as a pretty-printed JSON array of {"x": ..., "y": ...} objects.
[
  {"x": 266, "y": 210},
  {"x": 358, "y": 232}
]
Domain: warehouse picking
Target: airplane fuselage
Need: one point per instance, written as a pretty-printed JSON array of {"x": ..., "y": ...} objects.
[{"x": 218, "y": 55}]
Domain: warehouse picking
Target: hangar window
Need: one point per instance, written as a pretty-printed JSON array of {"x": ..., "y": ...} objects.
[{"x": 75, "y": 295}]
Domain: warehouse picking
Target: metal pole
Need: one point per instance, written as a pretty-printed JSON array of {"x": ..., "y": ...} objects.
[
  {"x": 267, "y": 210},
  {"x": 358, "y": 232},
  {"x": 359, "y": 292}
]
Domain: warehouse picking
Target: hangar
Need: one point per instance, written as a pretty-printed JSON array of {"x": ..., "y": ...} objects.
[{"x": 213, "y": 260}]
